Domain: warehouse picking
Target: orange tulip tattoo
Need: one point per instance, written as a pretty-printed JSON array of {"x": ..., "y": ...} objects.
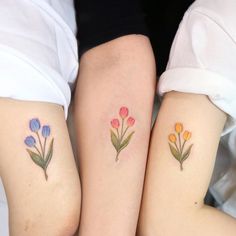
[
  {"x": 177, "y": 144},
  {"x": 119, "y": 138}
]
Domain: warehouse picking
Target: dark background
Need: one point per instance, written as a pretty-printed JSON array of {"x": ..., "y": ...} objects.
[{"x": 163, "y": 18}]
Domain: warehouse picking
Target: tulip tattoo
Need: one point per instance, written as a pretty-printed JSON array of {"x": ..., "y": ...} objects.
[
  {"x": 119, "y": 138},
  {"x": 177, "y": 143},
  {"x": 41, "y": 157}
]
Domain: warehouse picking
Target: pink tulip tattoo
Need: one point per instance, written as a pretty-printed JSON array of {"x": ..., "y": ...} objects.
[
  {"x": 115, "y": 123},
  {"x": 119, "y": 138},
  {"x": 130, "y": 121},
  {"x": 124, "y": 112}
]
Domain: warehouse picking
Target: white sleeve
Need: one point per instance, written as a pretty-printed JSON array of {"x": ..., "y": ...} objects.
[
  {"x": 203, "y": 61},
  {"x": 38, "y": 50}
]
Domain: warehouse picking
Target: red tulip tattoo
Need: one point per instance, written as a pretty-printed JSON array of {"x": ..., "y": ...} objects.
[{"x": 119, "y": 138}]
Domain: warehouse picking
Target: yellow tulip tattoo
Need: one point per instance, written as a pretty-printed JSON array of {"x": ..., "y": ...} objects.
[{"x": 177, "y": 149}]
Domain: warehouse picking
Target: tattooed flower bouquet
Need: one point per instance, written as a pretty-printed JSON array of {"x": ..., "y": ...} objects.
[
  {"x": 42, "y": 156},
  {"x": 177, "y": 144},
  {"x": 119, "y": 138}
]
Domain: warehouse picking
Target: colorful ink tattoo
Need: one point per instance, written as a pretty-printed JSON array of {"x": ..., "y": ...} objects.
[
  {"x": 119, "y": 138},
  {"x": 42, "y": 156},
  {"x": 178, "y": 143}
]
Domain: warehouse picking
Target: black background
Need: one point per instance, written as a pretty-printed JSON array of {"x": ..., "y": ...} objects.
[{"x": 163, "y": 18}]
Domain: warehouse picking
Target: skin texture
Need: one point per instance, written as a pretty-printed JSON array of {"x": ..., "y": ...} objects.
[
  {"x": 173, "y": 199},
  {"x": 38, "y": 206},
  {"x": 116, "y": 74}
]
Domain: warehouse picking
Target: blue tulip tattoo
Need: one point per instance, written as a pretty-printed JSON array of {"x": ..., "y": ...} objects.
[{"x": 41, "y": 157}]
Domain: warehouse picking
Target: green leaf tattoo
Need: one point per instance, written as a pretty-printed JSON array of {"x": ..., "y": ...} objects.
[
  {"x": 126, "y": 141},
  {"x": 118, "y": 138},
  {"x": 37, "y": 159},
  {"x": 39, "y": 156},
  {"x": 115, "y": 141},
  {"x": 178, "y": 143}
]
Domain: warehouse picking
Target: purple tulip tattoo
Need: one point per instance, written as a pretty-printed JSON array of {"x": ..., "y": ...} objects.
[{"x": 41, "y": 156}]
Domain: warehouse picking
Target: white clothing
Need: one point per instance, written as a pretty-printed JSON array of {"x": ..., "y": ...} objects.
[
  {"x": 203, "y": 56},
  {"x": 38, "y": 50}
]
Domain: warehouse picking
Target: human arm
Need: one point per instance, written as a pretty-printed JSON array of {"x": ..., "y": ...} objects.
[
  {"x": 113, "y": 75},
  {"x": 202, "y": 72},
  {"x": 173, "y": 199}
]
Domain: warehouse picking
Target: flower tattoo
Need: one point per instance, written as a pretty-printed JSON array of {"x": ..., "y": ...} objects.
[
  {"x": 177, "y": 150},
  {"x": 118, "y": 138},
  {"x": 41, "y": 157}
]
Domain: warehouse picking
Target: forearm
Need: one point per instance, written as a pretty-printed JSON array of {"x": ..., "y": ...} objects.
[
  {"x": 173, "y": 198},
  {"x": 117, "y": 74}
]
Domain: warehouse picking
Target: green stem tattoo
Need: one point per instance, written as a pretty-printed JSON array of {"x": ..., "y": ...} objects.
[
  {"x": 176, "y": 147},
  {"x": 44, "y": 146},
  {"x": 122, "y": 126},
  {"x": 179, "y": 142},
  {"x": 40, "y": 143},
  {"x": 124, "y": 133},
  {"x": 45, "y": 174},
  {"x": 37, "y": 149},
  {"x": 183, "y": 146},
  {"x": 118, "y": 135}
]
